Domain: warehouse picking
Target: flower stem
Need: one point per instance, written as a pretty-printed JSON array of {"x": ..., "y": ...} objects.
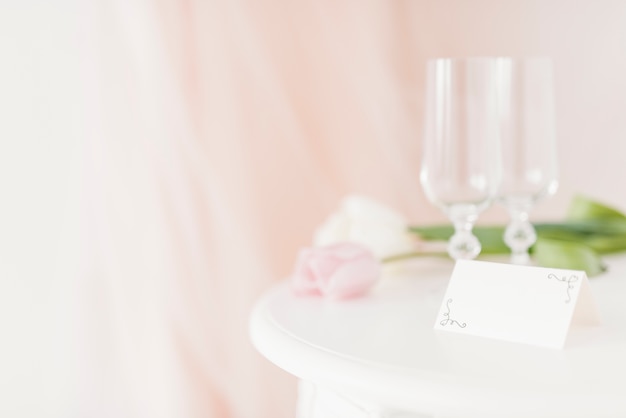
[{"x": 405, "y": 256}]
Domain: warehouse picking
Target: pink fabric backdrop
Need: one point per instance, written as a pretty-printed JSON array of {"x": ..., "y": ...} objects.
[{"x": 219, "y": 134}]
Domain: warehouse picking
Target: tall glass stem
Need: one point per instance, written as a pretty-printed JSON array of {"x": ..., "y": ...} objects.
[
  {"x": 519, "y": 235},
  {"x": 463, "y": 244}
]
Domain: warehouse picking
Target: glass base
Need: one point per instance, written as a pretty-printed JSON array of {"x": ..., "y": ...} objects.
[{"x": 522, "y": 259}]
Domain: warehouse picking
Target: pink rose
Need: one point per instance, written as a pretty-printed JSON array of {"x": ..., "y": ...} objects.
[{"x": 337, "y": 271}]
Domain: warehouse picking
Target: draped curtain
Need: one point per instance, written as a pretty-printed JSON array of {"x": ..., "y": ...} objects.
[{"x": 219, "y": 135}]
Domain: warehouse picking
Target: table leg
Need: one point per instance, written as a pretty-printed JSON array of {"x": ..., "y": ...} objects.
[{"x": 315, "y": 401}]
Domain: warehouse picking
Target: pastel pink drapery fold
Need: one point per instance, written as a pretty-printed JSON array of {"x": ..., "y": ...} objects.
[
  {"x": 219, "y": 134},
  {"x": 213, "y": 152}
]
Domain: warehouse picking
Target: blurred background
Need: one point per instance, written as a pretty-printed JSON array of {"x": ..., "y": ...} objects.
[{"x": 161, "y": 162}]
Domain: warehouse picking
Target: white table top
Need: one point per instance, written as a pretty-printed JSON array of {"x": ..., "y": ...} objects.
[{"x": 383, "y": 346}]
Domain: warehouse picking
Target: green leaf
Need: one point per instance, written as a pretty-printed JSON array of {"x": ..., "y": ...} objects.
[
  {"x": 613, "y": 226},
  {"x": 582, "y": 208},
  {"x": 608, "y": 236},
  {"x": 591, "y": 228},
  {"x": 606, "y": 244},
  {"x": 568, "y": 255},
  {"x": 490, "y": 237}
]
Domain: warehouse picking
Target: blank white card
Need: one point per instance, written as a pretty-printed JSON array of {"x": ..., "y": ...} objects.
[{"x": 531, "y": 305}]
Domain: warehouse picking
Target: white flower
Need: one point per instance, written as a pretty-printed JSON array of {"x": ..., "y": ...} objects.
[{"x": 369, "y": 223}]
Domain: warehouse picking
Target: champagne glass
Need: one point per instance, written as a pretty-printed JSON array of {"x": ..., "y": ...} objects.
[
  {"x": 461, "y": 156},
  {"x": 529, "y": 157}
]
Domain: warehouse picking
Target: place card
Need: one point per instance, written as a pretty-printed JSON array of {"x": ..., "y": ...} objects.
[{"x": 531, "y": 305}]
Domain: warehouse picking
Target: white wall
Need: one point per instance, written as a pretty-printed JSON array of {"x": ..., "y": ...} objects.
[{"x": 39, "y": 129}]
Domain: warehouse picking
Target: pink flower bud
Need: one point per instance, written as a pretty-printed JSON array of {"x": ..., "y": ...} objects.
[{"x": 336, "y": 271}]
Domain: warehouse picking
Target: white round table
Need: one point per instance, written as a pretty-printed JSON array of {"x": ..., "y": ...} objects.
[{"x": 379, "y": 356}]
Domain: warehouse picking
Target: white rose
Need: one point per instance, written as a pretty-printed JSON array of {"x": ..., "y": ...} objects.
[{"x": 369, "y": 223}]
